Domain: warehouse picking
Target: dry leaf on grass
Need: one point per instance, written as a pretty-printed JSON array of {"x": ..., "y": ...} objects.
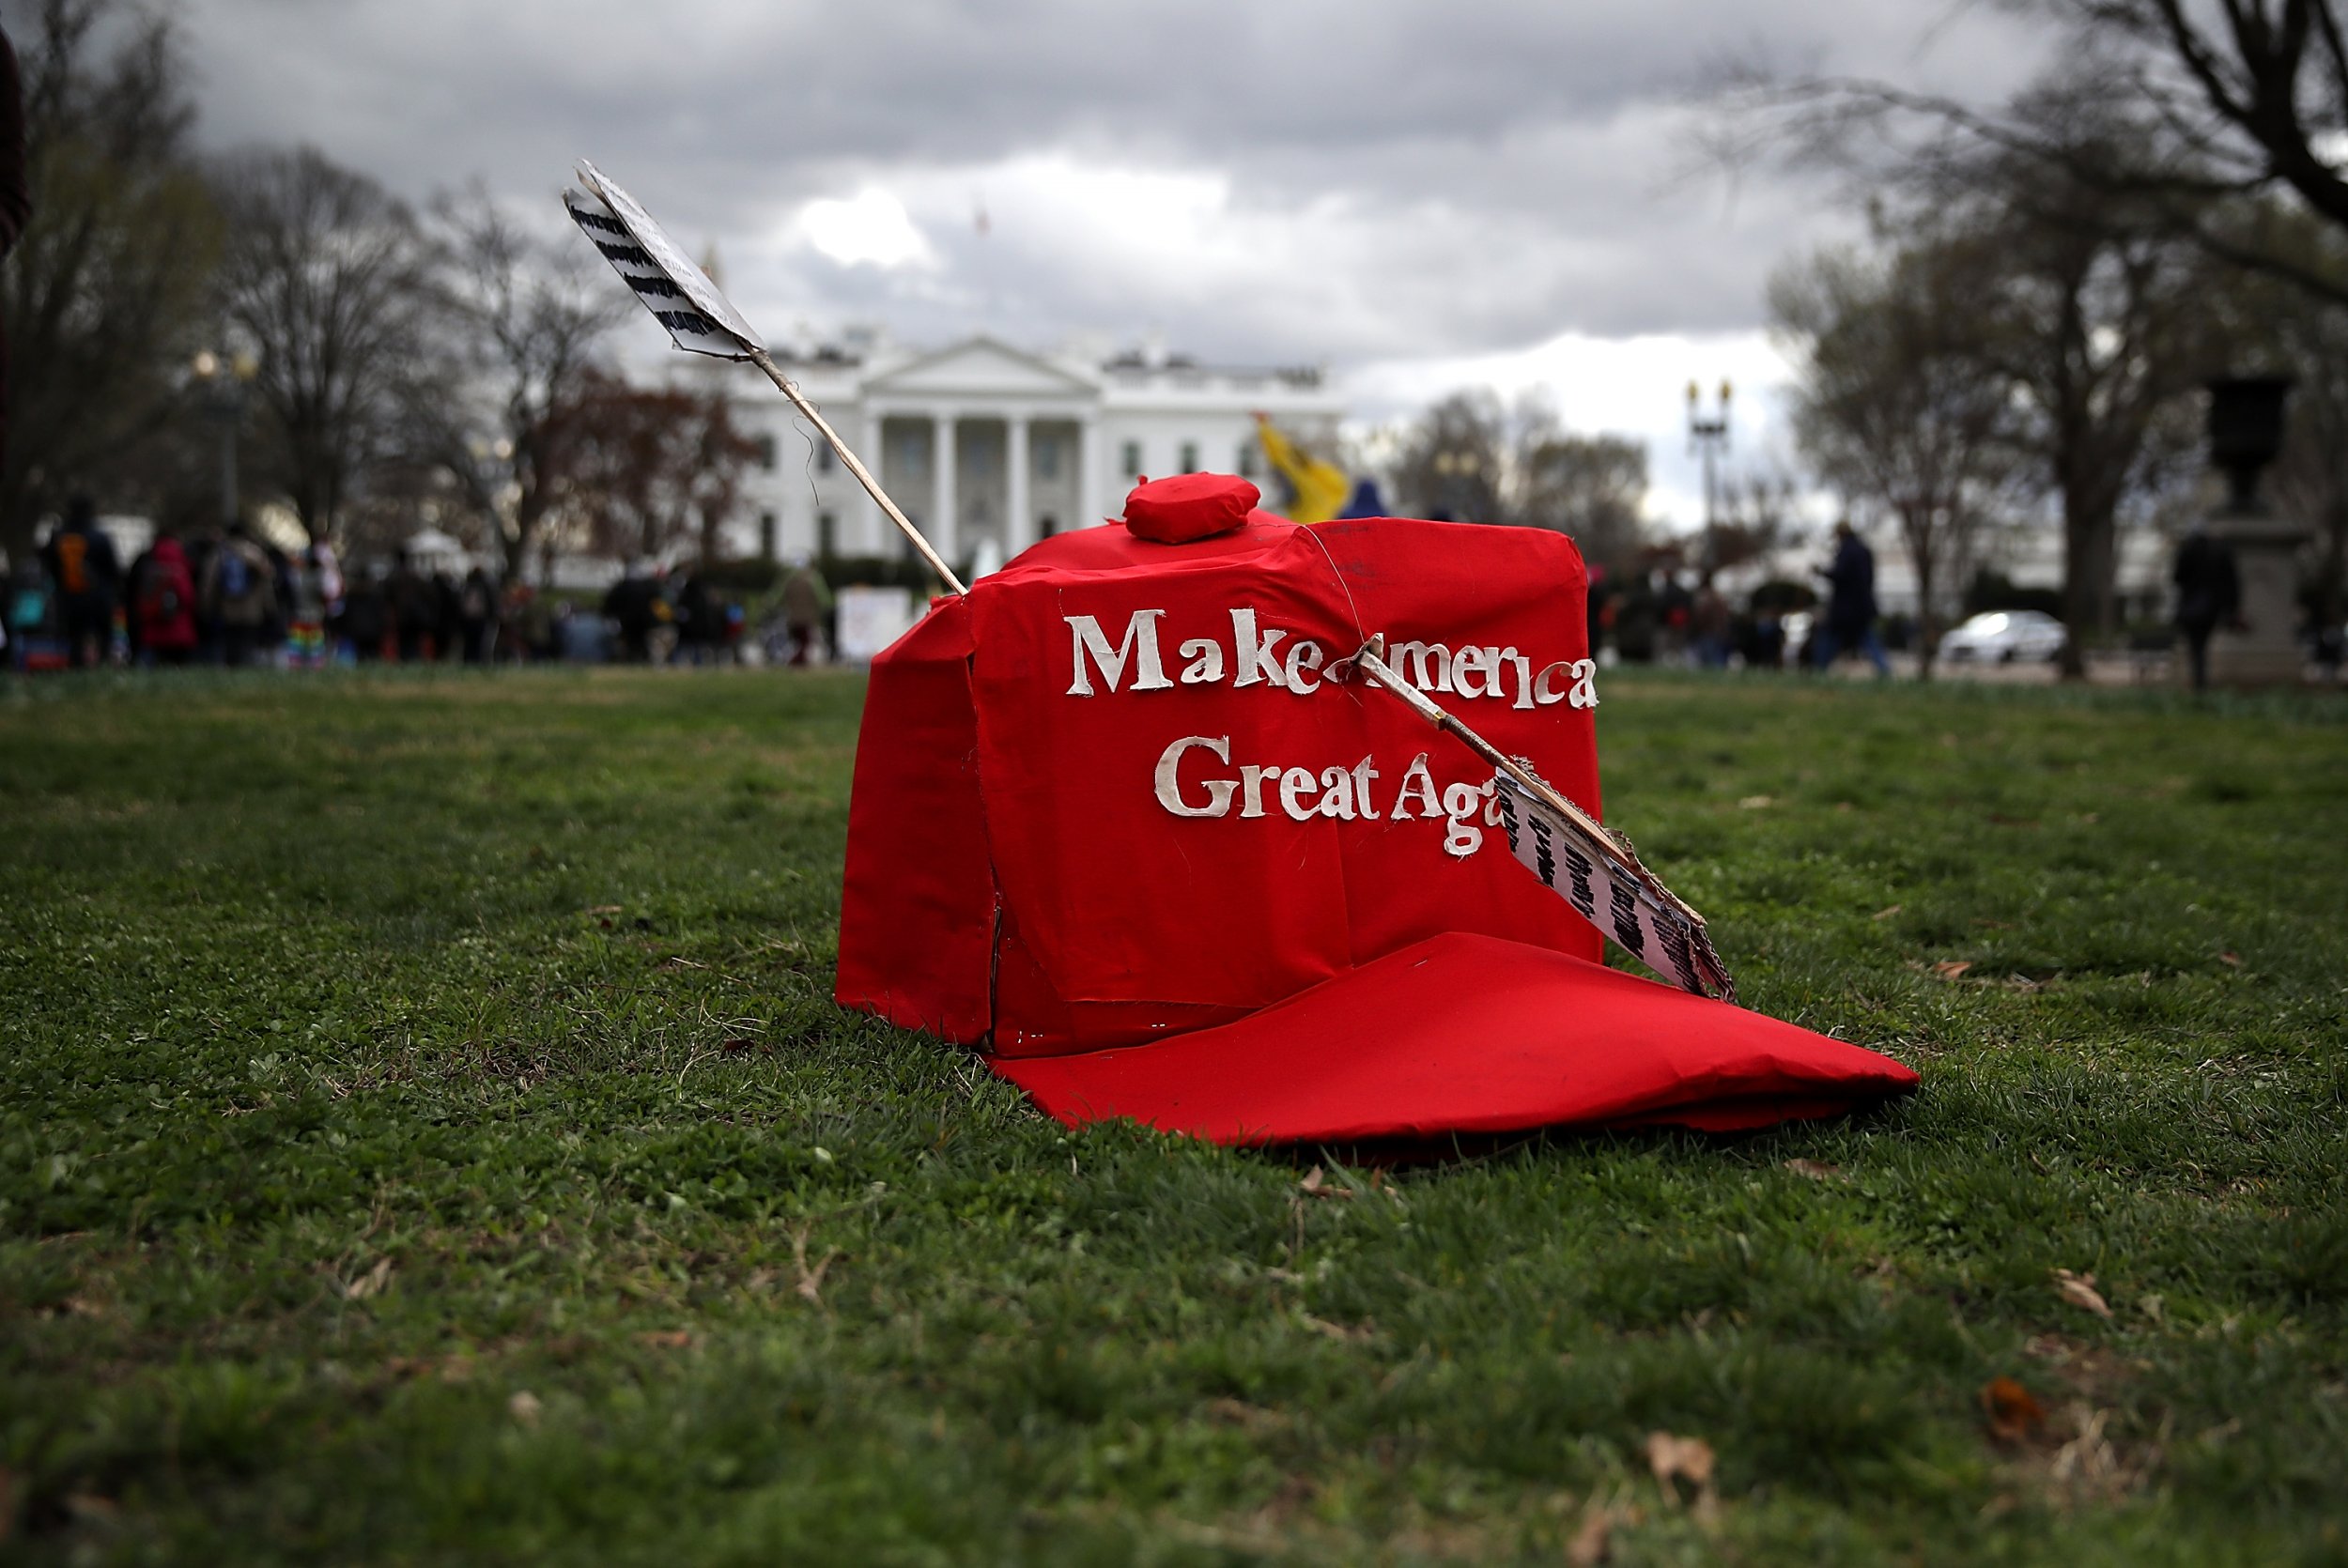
[
  {"x": 1673, "y": 1458},
  {"x": 1316, "y": 1185},
  {"x": 2231, "y": 961},
  {"x": 1887, "y": 912},
  {"x": 524, "y": 1407},
  {"x": 667, "y": 1339},
  {"x": 1814, "y": 1170},
  {"x": 1755, "y": 803},
  {"x": 1338, "y": 1331},
  {"x": 810, "y": 1281},
  {"x": 1950, "y": 969},
  {"x": 2013, "y": 1413},
  {"x": 372, "y": 1282},
  {"x": 1594, "y": 1542},
  {"x": 2079, "y": 1290}
]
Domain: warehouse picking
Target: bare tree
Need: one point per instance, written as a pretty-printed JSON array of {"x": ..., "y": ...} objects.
[
  {"x": 528, "y": 317},
  {"x": 651, "y": 466},
  {"x": 1473, "y": 458},
  {"x": 2224, "y": 105},
  {"x": 1593, "y": 487},
  {"x": 102, "y": 296},
  {"x": 1454, "y": 458},
  {"x": 1896, "y": 406},
  {"x": 328, "y": 278}
]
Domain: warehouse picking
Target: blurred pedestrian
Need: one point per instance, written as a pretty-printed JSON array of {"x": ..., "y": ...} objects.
[
  {"x": 87, "y": 578},
  {"x": 700, "y": 621},
  {"x": 415, "y": 609},
  {"x": 162, "y": 602},
  {"x": 2209, "y": 595},
  {"x": 240, "y": 596},
  {"x": 806, "y": 596},
  {"x": 1850, "y": 612},
  {"x": 478, "y": 615},
  {"x": 307, "y": 607},
  {"x": 367, "y": 616},
  {"x": 1709, "y": 624},
  {"x": 634, "y": 607}
]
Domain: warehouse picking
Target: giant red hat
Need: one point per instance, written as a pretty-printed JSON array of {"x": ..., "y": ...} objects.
[{"x": 1115, "y": 824}]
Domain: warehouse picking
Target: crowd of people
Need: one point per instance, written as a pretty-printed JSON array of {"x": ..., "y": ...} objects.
[
  {"x": 229, "y": 598},
  {"x": 1665, "y": 616}
]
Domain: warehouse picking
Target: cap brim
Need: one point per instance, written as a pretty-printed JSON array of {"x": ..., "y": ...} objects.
[{"x": 1464, "y": 1034}]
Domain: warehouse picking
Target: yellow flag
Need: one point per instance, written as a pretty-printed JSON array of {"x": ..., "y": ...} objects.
[{"x": 1321, "y": 488}]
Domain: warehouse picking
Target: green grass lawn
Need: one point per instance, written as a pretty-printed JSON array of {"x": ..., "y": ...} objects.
[{"x": 427, "y": 1137}]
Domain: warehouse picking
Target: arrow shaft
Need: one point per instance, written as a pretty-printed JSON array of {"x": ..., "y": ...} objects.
[{"x": 765, "y": 361}]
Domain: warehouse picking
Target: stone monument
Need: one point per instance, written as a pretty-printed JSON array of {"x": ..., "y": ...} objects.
[{"x": 2245, "y": 431}]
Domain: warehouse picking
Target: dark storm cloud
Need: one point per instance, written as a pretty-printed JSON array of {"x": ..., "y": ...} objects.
[{"x": 1432, "y": 179}]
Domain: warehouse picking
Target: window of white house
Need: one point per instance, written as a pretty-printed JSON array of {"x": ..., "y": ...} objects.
[
  {"x": 1048, "y": 456},
  {"x": 1133, "y": 458},
  {"x": 823, "y": 457},
  {"x": 827, "y": 534},
  {"x": 1248, "y": 451},
  {"x": 767, "y": 531},
  {"x": 767, "y": 453},
  {"x": 1190, "y": 457}
]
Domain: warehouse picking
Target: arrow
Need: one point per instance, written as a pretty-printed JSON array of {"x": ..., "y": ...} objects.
[{"x": 700, "y": 320}]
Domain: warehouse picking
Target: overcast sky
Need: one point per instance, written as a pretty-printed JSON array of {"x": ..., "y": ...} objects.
[{"x": 1418, "y": 196}]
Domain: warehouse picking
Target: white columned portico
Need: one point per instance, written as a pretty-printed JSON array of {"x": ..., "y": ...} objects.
[
  {"x": 1019, "y": 514},
  {"x": 943, "y": 531},
  {"x": 1091, "y": 476},
  {"x": 875, "y": 527}
]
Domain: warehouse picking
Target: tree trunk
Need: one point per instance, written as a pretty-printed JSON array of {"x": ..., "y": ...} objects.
[
  {"x": 2087, "y": 560},
  {"x": 1927, "y": 621}
]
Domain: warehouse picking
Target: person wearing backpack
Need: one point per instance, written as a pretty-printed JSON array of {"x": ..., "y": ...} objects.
[
  {"x": 88, "y": 575},
  {"x": 240, "y": 594},
  {"x": 163, "y": 603}
]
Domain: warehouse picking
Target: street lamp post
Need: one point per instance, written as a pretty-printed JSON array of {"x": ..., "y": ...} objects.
[
  {"x": 224, "y": 386},
  {"x": 1708, "y": 437}
]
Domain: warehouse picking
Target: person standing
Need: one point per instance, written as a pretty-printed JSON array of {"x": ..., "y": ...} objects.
[
  {"x": 478, "y": 615},
  {"x": 162, "y": 602},
  {"x": 240, "y": 593},
  {"x": 307, "y": 607},
  {"x": 1850, "y": 612},
  {"x": 2209, "y": 595},
  {"x": 805, "y": 598},
  {"x": 88, "y": 578}
]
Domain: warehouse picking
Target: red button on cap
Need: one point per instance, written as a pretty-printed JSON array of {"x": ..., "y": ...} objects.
[{"x": 1189, "y": 506}]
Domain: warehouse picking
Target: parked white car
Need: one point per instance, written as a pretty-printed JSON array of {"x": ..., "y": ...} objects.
[{"x": 2005, "y": 636}]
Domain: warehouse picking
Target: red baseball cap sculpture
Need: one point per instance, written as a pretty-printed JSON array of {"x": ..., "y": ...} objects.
[{"x": 1269, "y": 833}]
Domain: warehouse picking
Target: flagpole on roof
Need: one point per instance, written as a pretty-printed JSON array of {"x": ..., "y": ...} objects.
[{"x": 700, "y": 320}]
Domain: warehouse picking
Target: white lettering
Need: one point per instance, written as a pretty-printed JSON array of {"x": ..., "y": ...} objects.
[
  {"x": 1218, "y": 790},
  {"x": 1584, "y": 683},
  {"x": 1303, "y": 660},
  {"x": 1336, "y": 799},
  {"x": 1251, "y": 780},
  {"x": 1140, "y": 644},
  {"x": 1543, "y": 692},
  {"x": 1417, "y": 778},
  {"x": 1481, "y": 662},
  {"x": 1293, "y": 784},
  {"x": 1461, "y": 804},
  {"x": 1253, "y": 655},
  {"x": 1425, "y": 665},
  {"x": 1205, "y": 662},
  {"x": 1364, "y": 775},
  {"x": 1524, "y": 677}
]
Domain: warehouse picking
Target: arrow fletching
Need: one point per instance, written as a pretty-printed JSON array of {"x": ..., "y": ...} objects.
[
  {"x": 1574, "y": 854},
  {"x": 694, "y": 312}
]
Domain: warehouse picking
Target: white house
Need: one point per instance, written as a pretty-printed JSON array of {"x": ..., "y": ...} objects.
[{"x": 984, "y": 441}]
